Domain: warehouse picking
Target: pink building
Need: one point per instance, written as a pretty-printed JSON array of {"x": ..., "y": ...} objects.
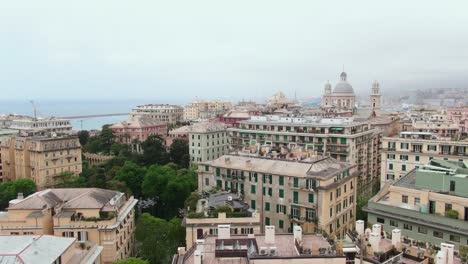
[
  {"x": 459, "y": 115},
  {"x": 233, "y": 117},
  {"x": 137, "y": 129}
]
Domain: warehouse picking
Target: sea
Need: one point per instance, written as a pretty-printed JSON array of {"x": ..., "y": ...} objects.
[{"x": 66, "y": 108}]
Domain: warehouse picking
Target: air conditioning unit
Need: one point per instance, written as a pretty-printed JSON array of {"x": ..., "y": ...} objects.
[
  {"x": 273, "y": 251},
  {"x": 263, "y": 251}
]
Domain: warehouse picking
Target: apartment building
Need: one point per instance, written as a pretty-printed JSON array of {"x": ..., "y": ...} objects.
[
  {"x": 206, "y": 109},
  {"x": 340, "y": 138},
  {"x": 207, "y": 141},
  {"x": 318, "y": 195},
  {"x": 413, "y": 149},
  {"x": 429, "y": 204},
  {"x": 170, "y": 114},
  {"x": 42, "y": 125},
  {"x": 4, "y": 133},
  {"x": 137, "y": 129},
  {"x": 40, "y": 158},
  {"x": 93, "y": 216},
  {"x": 46, "y": 249}
]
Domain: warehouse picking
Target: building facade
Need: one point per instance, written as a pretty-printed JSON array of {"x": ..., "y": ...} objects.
[
  {"x": 40, "y": 158},
  {"x": 4, "y": 133},
  {"x": 206, "y": 109},
  {"x": 170, "y": 114},
  {"x": 341, "y": 99},
  {"x": 411, "y": 150},
  {"x": 207, "y": 141},
  {"x": 340, "y": 138},
  {"x": 93, "y": 216},
  {"x": 137, "y": 129},
  {"x": 318, "y": 195},
  {"x": 42, "y": 125},
  {"x": 429, "y": 204}
]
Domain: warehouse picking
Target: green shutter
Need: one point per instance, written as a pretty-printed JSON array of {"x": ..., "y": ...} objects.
[
  {"x": 296, "y": 182},
  {"x": 253, "y": 204},
  {"x": 271, "y": 179},
  {"x": 311, "y": 197},
  {"x": 264, "y": 178},
  {"x": 281, "y": 224},
  {"x": 281, "y": 193},
  {"x": 267, "y": 206},
  {"x": 207, "y": 168},
  {"x": 343, "y": 141},
  {"x": 218, "y": 172},
  {"x": 267, "y": 221},
  {"x": 263, "y": 190},
  {"x": 219, "y": 184},
  {"x": 270, "y": 191},
  {"x": 253, "y": 189},
  {"x": 281, "y": 180},
  {"x": 296, "y": 197},
  {"x": 277, "y": 208}
]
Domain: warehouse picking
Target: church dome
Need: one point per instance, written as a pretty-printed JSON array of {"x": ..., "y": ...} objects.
[{"x": 343, "y": 87}]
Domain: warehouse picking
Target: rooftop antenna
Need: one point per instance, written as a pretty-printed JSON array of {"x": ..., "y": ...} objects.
[{"x": 34, "y": 109}]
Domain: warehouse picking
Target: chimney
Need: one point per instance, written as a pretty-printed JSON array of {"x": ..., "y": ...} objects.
[
  {"x": 360, "y": 227},
  {"x": 448, "y": 252},
  {"x": 374, "y": 240},
  {"x": 377, "y": 228},
  {"x": 270, "y": 234},
  {"x": 297, "y": 230},
  {"x": 198, "y": 257},
  {"x": 224, "y": 231},
  {"x": 20, "y": 196},
  {"x": 396, "y": 238}
]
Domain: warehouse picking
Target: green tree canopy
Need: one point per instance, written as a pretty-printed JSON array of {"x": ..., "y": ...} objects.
[
  {"x": 133, "y": 176},
  {"x": 131, "y": 261},
  {"x": 10, "y": 190},
  {"x": 159, "y": 238},
  {"x": 179, "y": 152},
  {"x": 83, "y": 136},
  {"x": 154, "y": 151}
]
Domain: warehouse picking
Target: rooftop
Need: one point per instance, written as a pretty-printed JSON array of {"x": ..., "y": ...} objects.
[
  {"x": 303, "y": 120},
  {"x": 321, "y": 167},
  {"x": 43, "y": 249},
  {"x": 70, "y": 198},
  {"x": 137, "y": 122},
  {"x": 204, "y": 127}
]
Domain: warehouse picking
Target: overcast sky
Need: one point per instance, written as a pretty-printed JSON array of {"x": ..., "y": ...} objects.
[{"x": 226, "y": 49}]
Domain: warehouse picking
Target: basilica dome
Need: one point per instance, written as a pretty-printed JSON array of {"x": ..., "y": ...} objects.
[{"x": 343, "y": 87}]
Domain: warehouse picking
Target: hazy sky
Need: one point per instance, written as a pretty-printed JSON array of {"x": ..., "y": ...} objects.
[{"x": 172, "y": 49}]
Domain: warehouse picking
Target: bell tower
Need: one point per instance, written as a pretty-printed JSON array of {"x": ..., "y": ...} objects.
[{"x": 375, "y": 99}]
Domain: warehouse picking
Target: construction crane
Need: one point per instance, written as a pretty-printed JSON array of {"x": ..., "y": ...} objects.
[{"x": 34, "y": 109}]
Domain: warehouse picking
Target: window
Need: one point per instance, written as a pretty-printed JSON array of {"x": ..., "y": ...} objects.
[
  {"x": 207, "y": 182},
  {"x": 455, "y": 238},
  {"x": 390, "y": 176},
  {"x": 391, "y": 156},
  {"x": 404, "y": 199},
  {"x": 218, "y": 172},
  {"x": 310, "y": 214},
  {"x": 452, "y": 186},
  {"x": 253, "y": 189},
  {"x": 404, "y": 145},
  {"x": 380, "y": 220},
  {"x": 82, "y": 236},
  {"x": 417, "y": 201},
  {"x": 281, "y": 193},
  {"x": 281, "y": 208},
  {"x": 296, "y": 197},
  {"x": 390, "y": 166},
  {"x": 416, "y": 158},
  {"x": 253, "y": 204},
  {"x": 267, "y": 206},
  {"x": 331, "y": 212},
  {"x": 331, "y": 196},
  {"x": 311, "y": 198},
  {"x": 403, "y": 167},
  {"x": 296, "y": 182},
  {"x": 393, "y": 223},
  {"x": 281, "y": 224},
  {"x": 438, "y": 234},
  {"x": 270, "y": 191},
  {"x": 404, "y": 157},
  {"x": 407, "y": 227},
  {"x": 219, "y": 184},
  {"x": 422, "y": 230},
  {"x": 281, "y": 180},
  {"x": 432, "y": 147},
  {"x": 448, "y": 207},
  {"x": 68, "y": 234}
]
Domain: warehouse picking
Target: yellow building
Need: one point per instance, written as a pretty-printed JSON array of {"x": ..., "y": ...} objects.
[
  {"x": 40, "y": 158},
  {"x": 319, "y": 195},
  {"x": 93, "y": 216}
]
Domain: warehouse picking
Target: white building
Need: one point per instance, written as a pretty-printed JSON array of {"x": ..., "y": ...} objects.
[{"x": 162, "y": 112}]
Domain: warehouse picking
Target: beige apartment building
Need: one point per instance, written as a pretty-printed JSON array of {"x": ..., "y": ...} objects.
[
  {"x": 94, "y": 216},
  {"x": 40, "y": 158},
  {"x": 170, "y": 114},
  {"x": 411, "y": 150},
  {"x": 318, "y": 195},
  {"x": 207, "y": 141},
  {"x": 341, "y": 138},
  {"x": 206, "y": 109}
]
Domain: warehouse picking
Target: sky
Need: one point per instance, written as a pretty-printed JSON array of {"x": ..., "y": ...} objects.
[{"x": 184, "y": 50}]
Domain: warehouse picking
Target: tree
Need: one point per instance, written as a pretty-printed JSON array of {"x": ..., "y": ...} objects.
[
  {"x": 131, "y": 261},
  {"x": 191, "y": 202},
  {"x": 133, "y": 176},
  {"x": 159, "y": 238},
  {"x": 179, "y": 152},
  {"x": 83, "y": 136},
  {"x": 69, "y": 180},
  {"x": 10, "y": 190},
  {"x": 154, "y": 151}
]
